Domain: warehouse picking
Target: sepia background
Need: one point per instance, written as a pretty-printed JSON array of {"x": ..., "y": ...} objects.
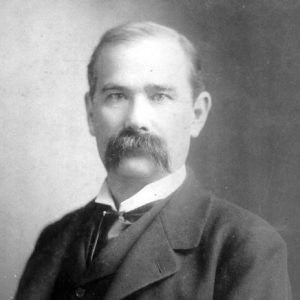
[{"x": 249, "y": 152}]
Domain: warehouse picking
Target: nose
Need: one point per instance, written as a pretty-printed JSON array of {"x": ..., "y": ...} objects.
[{"x": 139, "y": 114}]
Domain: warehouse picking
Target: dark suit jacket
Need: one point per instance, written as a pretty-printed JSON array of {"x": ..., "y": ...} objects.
[{"x": 193, "y": 247}]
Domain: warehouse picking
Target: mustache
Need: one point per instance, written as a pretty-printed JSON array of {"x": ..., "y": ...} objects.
[{"x": 130, "y": 141}]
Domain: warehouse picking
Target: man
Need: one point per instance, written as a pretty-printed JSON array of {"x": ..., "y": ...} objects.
[{"x": 152, "y": 232}]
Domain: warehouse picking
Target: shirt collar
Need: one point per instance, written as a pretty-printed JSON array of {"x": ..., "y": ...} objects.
[{"x": 156, "y": 190}]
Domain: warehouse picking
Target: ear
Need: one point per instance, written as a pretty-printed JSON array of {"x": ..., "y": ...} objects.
[
  {"x": 90, "y": 112},
  {"x": 201, "y": 108}
]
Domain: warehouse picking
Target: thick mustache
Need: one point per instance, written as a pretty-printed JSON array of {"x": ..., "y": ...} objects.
[{"x": 130, "y": 141}]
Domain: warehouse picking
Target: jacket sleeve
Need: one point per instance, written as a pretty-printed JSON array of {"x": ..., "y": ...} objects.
[{"x": 253, "y": 267}]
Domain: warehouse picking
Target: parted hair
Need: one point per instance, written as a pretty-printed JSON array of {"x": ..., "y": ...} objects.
[{"x": 135, "y": 31}]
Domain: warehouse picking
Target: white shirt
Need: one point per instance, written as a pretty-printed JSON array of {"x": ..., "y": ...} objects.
[{"x": 154, "y": 191}]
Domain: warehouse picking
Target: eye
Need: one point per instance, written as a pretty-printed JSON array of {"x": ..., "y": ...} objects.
[
  {"x": 160, "y": 97},
  {"x": 115, "y": 98}
]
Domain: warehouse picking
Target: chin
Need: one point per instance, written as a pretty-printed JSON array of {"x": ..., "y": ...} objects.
[{"x": 139, "y": 168}]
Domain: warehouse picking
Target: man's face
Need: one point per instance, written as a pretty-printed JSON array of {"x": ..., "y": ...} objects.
[{"x": 145, "y": 86}]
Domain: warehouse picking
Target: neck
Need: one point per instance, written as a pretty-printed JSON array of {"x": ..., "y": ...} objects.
[{"x": 123, "y": 187}]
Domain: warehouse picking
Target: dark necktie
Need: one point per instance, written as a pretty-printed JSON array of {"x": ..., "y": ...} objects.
[{"x": 108, "y": 217}]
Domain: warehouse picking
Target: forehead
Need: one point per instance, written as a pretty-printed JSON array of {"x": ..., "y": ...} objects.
[{"x": 156, "y": 59}]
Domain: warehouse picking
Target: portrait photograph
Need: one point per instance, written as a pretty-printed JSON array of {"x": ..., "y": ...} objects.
[{"x": 150, "y": 149}]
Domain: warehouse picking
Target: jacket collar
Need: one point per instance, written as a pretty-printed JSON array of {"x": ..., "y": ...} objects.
[
  {"x": 179, "y": 225},
  {"x": 185, "y": 215}
]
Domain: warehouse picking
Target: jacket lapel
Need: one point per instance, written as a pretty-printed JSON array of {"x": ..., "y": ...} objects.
[
  {"x": 150, "y": 260},
  {"x": 76, "y": 253},
  {"x": 113, "y": 254},
  {"x": 185, "y": 215},
  {"x": 178, "y": 225}
]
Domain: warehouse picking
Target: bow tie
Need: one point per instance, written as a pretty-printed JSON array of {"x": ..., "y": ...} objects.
[
  {"x": 126, "y": 217},
  {"x": 108, "y": 218}
]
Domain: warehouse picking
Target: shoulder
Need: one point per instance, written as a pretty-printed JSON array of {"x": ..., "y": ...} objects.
[
  {"x": 196, "y": 217},
  {"x": 50, "y": 249},
  {"x": 249, "y": 256},
  {"x": 225, "y": 219},
  {"x": 222, "y": 220},
  {"x": 240, "y": 226},
  {"x": 63, "y": 228},
  {"x": 243, "y": 243}
]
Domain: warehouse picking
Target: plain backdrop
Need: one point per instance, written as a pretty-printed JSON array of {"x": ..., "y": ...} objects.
[{"x": 248, "y": 153}]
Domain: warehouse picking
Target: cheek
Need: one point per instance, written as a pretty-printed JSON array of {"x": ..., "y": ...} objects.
[
  {"x": 180, "y": 122},
  {"x": 177, "y": 131},
  {"x": 108, "y": 122},
  {"x": 178, "y": 139},
  {"x": 106, "y": 127}
]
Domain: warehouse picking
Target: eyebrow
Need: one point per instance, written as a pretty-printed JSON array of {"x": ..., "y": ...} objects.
[
  {"x": 149, "y": 88},
  {"x": 109, "y": 87},
  {"x": 158, "y": 87}
]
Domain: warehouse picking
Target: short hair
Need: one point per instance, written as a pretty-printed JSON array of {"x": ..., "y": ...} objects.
[{"x": 138, "y": 30}]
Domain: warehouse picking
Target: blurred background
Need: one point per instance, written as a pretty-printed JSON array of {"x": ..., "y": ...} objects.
[{"x": 249, "y": 152}]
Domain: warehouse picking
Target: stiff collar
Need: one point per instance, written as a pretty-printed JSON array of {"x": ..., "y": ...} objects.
[{"x": 154, "y": 191}]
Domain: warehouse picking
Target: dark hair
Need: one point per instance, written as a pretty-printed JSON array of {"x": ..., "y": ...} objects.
[{"x": 134, "y": 31}]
